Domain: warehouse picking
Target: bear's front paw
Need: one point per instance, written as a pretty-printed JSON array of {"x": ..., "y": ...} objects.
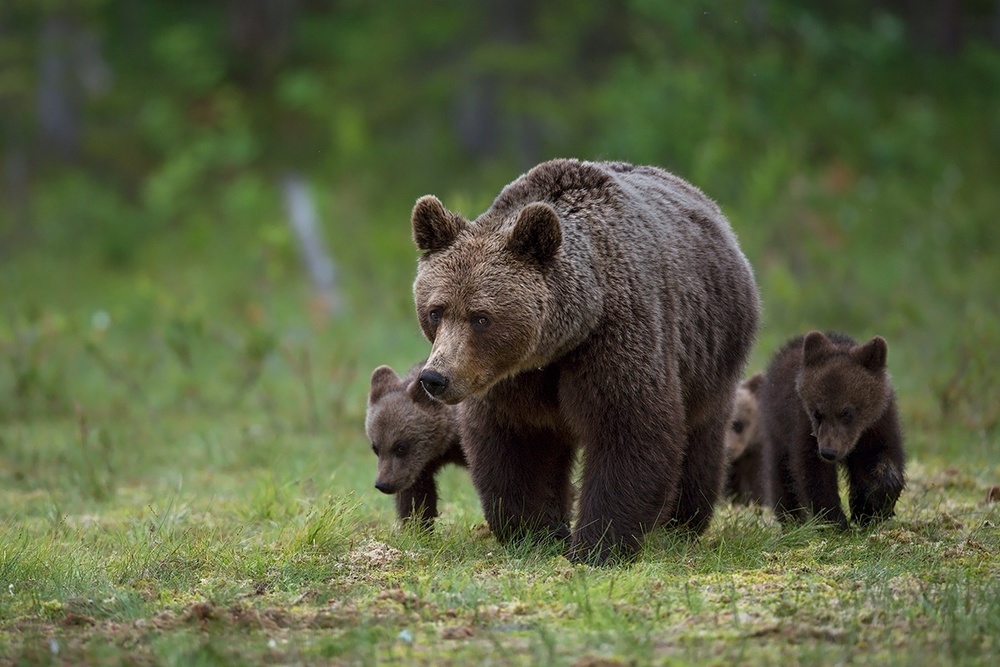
[
  {"x": 870, "y": 505},
  {"x": 418, "y": 523},
  {"x": 511, "y": 532},
  {"x": 873, "y": 509},
  {"x": 601, "y": 549},
  {"x": 866, "y": 520},
  {"x": 832, "y": 518}
]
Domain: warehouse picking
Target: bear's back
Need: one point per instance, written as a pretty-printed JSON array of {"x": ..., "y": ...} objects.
[{"x": 649, "y": 241}]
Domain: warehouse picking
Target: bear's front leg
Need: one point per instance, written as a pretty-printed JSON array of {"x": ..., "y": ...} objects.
[
  {"x": 522, "y": 476},
  {"x": 628, "y": 413},
  {"x": 418, "y": 502},
  {"x": 876, "y": 483},
  {"x": 630, "y": 484},
  {"x": 816, "y": 481},
  {"x": 626, "y": 491},
  {"x": 780, "y": 489}
]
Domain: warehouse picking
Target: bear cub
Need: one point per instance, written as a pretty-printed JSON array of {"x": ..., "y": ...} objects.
[
  {"x": 827, "y": 402},
  {"x": 413, "y": 436},
  {"x": 745, "y": 445}
]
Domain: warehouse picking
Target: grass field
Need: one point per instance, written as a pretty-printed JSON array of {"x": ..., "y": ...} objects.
[{"x": 184, "y": 479}]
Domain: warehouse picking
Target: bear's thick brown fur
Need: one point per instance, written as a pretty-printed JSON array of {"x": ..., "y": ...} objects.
[
  {"x": 828, "y": 401},
  {"x": 413, "y": 436},
  {"x": 745, "y": 445},
  {"x": 599, "y": 306}
]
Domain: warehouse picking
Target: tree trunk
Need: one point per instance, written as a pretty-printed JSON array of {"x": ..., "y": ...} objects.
[
  {"x": 950, "y": 37},
  {"x": 58, "y": 103},
  {"x": 305, "y": 224}
]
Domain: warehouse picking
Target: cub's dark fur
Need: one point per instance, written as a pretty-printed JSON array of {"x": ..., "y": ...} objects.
[{"x": 827, "y": 402}]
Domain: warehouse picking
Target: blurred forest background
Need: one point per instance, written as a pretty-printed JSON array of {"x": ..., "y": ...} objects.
[{"x": 149, "y": 148}]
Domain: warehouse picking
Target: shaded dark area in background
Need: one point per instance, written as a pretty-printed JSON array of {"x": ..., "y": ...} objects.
[{"x": 117, "y": 89}]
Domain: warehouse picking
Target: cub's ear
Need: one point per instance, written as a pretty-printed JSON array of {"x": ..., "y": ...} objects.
[
  {"x": 537, "y": 234},
  {"x": 872, "y": 355},
  {"x": 754, "y": 383},
  {"x": 383, "y": 379},
  {"x": 434, "y": 226},
  {"x": 815, "y": 347}
]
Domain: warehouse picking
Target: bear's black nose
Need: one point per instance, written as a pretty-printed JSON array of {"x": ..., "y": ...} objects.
[
  {"x": 828, "y": 454},
  {"x": 384, "y": 487},
  {"x": 433, "y": 382}
]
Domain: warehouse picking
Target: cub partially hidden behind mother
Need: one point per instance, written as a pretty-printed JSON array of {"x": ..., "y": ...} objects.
[
  {"x": 414, "y": 437},
  {"x": 827, "y": 402}
]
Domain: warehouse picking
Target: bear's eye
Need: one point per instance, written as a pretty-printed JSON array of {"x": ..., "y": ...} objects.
[
  {"x": 817, "y": 416},
  {"x": 400, "y": 449},
  {"x": 847, "y": 415},
  {"x": 434, "y": 316},
  {"x": 737, "y": 426},
  {"x": 480, "y": 322}
]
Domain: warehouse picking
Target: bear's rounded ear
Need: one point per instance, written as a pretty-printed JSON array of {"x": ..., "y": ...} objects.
[
  {"x": 872, "y": 355},
  {"x": 434, "y": 226},
  {"x": 537, "y": 234},
  {"x": 815, "y": 347},
  {"x": 383, "y": 379},
  {"x": 754, "y": 383}
]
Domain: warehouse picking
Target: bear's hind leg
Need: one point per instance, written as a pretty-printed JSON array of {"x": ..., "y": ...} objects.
[{"x": 702, "y": 473}]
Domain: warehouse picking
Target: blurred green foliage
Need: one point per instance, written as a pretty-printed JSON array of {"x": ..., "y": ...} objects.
[{"x": 854, "y": 152}]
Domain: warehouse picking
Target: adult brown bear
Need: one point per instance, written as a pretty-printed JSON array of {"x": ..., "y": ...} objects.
[{"x": 599, "y": 306}]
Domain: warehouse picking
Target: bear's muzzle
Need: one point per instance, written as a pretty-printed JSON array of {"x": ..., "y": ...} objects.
[
  {"x": 433, "y": 383},
  {"x": 385, "y": 487}
]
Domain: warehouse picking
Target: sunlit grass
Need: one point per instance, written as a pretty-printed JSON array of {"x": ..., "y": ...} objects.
[{"x": 191, "y": 536}]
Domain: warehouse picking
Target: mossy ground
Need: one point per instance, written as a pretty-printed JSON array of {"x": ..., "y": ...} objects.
[
  {"x": 197, "y": 489},
  {"x": 184, "y": 479}
]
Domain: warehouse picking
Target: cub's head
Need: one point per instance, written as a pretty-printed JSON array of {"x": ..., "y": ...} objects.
[
  {"x": 481, "y": 294},
  {"x": 407, "y": 429},
  {"x": 844, "y": 390},
  {"x": 743, "y": 434}
]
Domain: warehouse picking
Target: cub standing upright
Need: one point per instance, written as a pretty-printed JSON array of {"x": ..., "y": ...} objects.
[{"x": 827, "y": 401}]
